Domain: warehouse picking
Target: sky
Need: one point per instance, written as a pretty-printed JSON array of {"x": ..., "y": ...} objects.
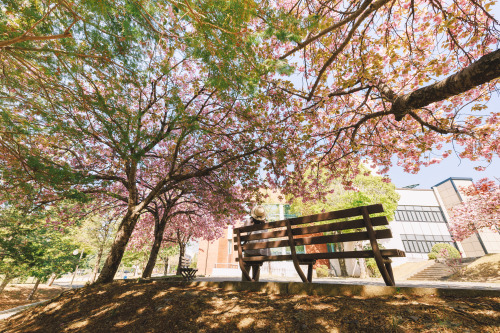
[{"x": 450, "y": 167}]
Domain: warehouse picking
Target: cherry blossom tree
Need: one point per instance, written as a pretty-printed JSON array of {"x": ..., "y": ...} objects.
[
  {"x": 208, "y": 204},
  {"x": 237, "y": 87},
  {"x": 99, "y": 137},
  {"x": 376, "y": 78},
  {"x": 480, "y": 210}
]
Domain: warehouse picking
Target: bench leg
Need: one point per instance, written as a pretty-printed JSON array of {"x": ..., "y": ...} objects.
[
  {"x": 310, "y": 272},
  {"x": 389, "y": 269},
  {"x": 383, "y": 267},
  {"x": 256, "y": 272},
  {"x": 243, "y": 275}
]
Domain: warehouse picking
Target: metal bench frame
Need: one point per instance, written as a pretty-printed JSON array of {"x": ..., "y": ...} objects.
[
  {"x": 187, "y": 272},
  {"x": 306, "y": 231}
]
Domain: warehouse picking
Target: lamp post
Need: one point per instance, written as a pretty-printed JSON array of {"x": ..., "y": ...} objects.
[{"x": 75, "y": 252}]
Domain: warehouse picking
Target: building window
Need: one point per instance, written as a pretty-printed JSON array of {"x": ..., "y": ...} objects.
[
  {"x": 419, "y": 214},
  {"x": 230, "y": 246},
  {"x": 423, "y": 243}
]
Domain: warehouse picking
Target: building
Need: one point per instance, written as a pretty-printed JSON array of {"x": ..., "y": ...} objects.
[{"x": 420, "y": 221}]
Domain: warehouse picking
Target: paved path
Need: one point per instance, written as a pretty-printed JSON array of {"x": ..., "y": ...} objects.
[
  {"x": 372, "y": 282},
  {"x": 10, "y": 312}
]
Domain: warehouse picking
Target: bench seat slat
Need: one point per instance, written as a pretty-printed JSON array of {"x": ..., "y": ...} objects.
[
  {"x": 334, "y": 226},
  {"x": 351, "y": 237},
  {"x": 339, "y": 214},
  {"x": 330, "y": 255}
]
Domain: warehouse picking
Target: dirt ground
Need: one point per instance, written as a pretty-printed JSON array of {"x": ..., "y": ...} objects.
[
  {"x": 16, "y": 294},
  {"x": 484, "y": 269},
  {"x": 161, "y": 306}
]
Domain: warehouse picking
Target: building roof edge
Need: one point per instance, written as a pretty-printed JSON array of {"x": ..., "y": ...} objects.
[{"x": 451, "y": 179}]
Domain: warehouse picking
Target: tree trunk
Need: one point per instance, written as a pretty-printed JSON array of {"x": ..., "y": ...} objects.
[
  {"x": 118, "y": 248},
  {"x": 339, "y": 247},
  {"x": 35, "y": 288},
  {"x": 52, "y": 279},
  {"x": 153, "y": 255},
  {"x": 97, "y": 264},
  {"x": 182, "y": 249},
  {"x": 6, "y": 281},
  {"x": 343, "y": 268},
  {"x": 362, "y": 263},
  {"x": 165, "y": 266}
]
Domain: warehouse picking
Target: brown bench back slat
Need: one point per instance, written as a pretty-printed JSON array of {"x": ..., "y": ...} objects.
[
  {"x": 339, "y": 214},
  {"x": 351, "y": 237},
  {"x": 306, "y": 230},
  {"x": 329, "y": 255},
  {"x": 335, "y": 226}
]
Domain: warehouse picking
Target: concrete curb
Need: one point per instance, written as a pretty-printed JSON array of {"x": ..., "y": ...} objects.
[{"x": 322, "y": 289}]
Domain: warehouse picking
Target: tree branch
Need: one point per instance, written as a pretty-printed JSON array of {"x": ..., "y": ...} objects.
[{"x": 487, "y": 68}]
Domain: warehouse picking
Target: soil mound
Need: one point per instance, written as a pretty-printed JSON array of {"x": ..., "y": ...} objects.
[{"x": 484, "y": 269}]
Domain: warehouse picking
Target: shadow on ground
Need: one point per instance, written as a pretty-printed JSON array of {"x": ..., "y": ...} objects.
[{"x": 159, "y": 306}]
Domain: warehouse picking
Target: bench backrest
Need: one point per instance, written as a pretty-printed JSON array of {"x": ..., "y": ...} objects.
[
  {"x": 185, "y": 262},
  {"x": 309, "y": 230}
]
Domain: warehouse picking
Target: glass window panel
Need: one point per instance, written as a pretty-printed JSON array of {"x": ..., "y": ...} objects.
[
  {"x": 425, "y": 247},
  {"x": 405, "y": 245},
  {"x": 417, "y": 207},
  {"x": 403, "y": 237},
  {"x": 418, "y": 247},
  {"x": 415, "y": 247},
  {"x": 410, "y": 237},
  {"x": 439, "y": 238},
  {"x": 428, "y": 247},
  {"x": 440, "y": 217},
  {"x": 420, "y": 237},
  {"x": 427, "y": 216}
]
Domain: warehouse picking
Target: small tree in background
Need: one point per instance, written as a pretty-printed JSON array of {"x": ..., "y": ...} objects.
[
  {"x": 165, "y": 254},
  {"x": 96, "y": 235},
  {"x": 31, "y": 248}
]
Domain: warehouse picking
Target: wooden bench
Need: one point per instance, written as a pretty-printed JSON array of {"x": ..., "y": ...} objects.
[
  {"x": 187, "y": 272},
  {"x": 316, "y": 229}
]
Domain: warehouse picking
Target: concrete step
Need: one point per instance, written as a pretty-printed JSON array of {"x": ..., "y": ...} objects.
[{"x": 435, "y": 272}]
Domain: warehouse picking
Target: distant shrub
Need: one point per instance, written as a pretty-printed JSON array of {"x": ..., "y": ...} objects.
[
  {"x": 437, "y": 251},
  {"x": 322, "y": 271},
  {"x": 372, "y": 268}
]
